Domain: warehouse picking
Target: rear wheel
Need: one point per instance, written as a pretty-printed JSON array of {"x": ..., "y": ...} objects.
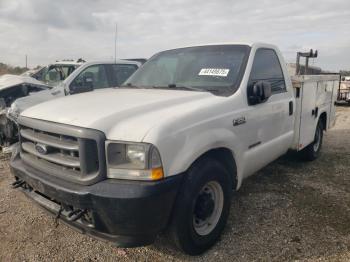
[
  {"x": 312, "y": 151},
  {"x": 202, "y": 207}
]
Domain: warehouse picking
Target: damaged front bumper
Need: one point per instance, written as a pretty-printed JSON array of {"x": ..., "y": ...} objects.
[
  {"x": 8, "y": 128},
  {"x": 128, "y": 213}
]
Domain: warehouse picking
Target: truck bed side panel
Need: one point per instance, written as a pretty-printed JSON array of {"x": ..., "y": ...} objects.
[{"x": 317, "y": 95}]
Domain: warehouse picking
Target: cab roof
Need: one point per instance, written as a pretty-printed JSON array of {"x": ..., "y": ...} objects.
[{"x": 250, "y": 44}]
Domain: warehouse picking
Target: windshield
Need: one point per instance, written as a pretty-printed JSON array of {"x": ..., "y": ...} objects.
[
  {"x": 216, "y": 68},
  {"x": 57, "y": 73}
]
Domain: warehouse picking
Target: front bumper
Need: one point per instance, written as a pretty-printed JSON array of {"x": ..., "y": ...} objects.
[
  {"x": 129, "y": 213},
  {"x": 8, "y": 130}
]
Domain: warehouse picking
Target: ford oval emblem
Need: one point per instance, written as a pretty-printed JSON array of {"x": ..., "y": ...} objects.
[{"x": 41, "y": 149}]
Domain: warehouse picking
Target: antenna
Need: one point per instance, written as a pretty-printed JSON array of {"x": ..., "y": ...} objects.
[{"x": 115, "y": 43}]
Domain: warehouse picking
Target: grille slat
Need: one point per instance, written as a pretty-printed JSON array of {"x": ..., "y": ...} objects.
[
  {"x": 42, "y": 165},
  {"x": 57, "y": 158},
  {"x": 57, "y": 142}
]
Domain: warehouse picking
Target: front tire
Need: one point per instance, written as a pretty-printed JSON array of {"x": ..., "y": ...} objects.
[
  {"x": 312, "y": 151},
  {"x": 202, "y": 207}
]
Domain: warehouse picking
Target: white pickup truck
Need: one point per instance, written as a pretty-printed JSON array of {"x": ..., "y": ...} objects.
[{"x": 166, "y": 150}]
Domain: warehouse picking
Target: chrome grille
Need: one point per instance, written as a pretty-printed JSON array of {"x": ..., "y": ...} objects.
[
  {"x": 61, "y": 150},
  {"x": 72, "y": 153}
]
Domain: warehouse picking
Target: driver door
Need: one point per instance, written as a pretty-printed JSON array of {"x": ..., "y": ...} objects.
[{"x": 270, "y": 123}]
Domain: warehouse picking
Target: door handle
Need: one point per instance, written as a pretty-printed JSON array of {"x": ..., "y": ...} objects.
[{"x": 290, "y": 108}]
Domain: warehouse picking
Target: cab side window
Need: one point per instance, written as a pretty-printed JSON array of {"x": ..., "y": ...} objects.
[
  {"x": 121, "y": 72},
  {"x": 94, "y": 75},
  {"x": 266, "y": 67}
]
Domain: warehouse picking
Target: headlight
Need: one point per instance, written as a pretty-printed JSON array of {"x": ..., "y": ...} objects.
[{"x": 137, "y": 161}]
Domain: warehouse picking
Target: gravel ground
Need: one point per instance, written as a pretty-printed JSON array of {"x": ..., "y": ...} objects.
[{"x": 290, "y": 210}]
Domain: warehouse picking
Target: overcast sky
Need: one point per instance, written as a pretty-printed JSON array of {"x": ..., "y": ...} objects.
[{"x": 48, "y": 30}]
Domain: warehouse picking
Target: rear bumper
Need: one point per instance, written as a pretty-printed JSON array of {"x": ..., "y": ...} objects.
[{"x": 129, "y": 213}]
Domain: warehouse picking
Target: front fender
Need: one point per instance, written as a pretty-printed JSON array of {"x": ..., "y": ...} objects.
[{"x": 180, "y": 151}]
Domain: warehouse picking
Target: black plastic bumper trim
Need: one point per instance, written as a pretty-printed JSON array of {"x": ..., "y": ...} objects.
[{"x": 128, "y": 213}]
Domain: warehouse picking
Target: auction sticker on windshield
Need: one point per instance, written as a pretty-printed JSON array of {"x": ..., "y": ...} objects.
[{"x": 214, "y": 72}]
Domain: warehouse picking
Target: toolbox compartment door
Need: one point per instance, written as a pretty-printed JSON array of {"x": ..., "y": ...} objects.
[
  {"x": 314, "y": 94},
  {"x": 308, "y": 113}
]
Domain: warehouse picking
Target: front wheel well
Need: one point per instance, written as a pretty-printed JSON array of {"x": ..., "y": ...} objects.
[{"x": 224, "y": 156}]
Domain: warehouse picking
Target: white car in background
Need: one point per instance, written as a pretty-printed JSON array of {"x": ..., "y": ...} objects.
[
  {"x": 54, "y": 73},
  {"x": 88, "y": 77},
  {"x": 13, "y": 87}
]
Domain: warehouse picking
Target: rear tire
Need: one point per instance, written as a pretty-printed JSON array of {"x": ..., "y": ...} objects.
[
  {"x": 312, "y": 151},
  {"x": 202, "y": 207}
]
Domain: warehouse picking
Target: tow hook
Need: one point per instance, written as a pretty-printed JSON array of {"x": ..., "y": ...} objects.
[
  {"x": 76, "y": 214},
  {"x": 17, "y": 183}
]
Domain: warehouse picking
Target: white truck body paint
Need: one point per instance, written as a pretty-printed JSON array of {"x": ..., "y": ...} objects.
[{"x": 183, "y": 125}]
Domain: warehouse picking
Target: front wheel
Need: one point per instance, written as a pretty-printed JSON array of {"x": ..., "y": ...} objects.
[
  {"x": 312, "y": 151},
  {"x": 202, "y": 207}
]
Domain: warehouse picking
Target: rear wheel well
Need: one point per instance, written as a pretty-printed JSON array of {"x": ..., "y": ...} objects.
[
  {"x": 323, "y": 119},
  {"x": 224, "y": 156}
]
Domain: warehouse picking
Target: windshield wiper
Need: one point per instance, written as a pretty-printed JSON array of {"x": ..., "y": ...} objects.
[
  {"x": 191, "y": 88},
  {"x": 174, "y": 86},
  {"x": 170, "y": 86},
  {"x": 128, "y": 85}
]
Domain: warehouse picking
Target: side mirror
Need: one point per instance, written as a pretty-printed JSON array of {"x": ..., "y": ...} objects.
[{"x": 259, "y": 92}]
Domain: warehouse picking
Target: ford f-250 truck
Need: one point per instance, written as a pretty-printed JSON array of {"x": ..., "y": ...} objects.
[{"x": 167, "y": 149}]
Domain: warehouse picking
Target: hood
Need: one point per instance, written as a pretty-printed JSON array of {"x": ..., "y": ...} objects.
[
  {"x": 23, "y": 103},
  {"x": 7, "y": 81},
  {"x": 122, "y": 114}
]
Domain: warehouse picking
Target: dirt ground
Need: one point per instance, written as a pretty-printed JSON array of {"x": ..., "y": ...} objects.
[{"x": 290, "y": 210}]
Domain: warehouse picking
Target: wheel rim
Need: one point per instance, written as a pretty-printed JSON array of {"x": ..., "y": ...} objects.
[
  {"x": 208, "y": 208},
  {"x": 317, "y": 139}
]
